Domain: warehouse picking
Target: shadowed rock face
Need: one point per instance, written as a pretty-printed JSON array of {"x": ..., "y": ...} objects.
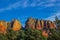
[{"x": 39, "y": 24}]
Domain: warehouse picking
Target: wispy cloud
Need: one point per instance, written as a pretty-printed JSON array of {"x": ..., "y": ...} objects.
[
  {"x": 25, "y": 3},
  {"x": 52, "y": 18},
  {"x": 49, "y": 5},
  {"x": 53, "y": 0},
  {"x": 13, "y": 6}
]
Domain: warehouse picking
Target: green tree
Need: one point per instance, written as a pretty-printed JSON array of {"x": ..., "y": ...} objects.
[
  {"x": 34, "y": 34},
  {"x": 12, "y": 35},
  {"x": 56, "y": 20},
  {"x": 3, "y": 36},
  {"x": 54, "y": 35},
  {"x": 21, "y": 35},
  {"x": 29, "y": 34}
]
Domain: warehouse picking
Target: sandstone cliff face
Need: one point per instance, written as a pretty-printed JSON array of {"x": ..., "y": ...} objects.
[
  {"x": 16, "y": 25},
  {"x": 30, "y": 23},
  {"x": 3, "y": 26},
  {"x": 39, "y": 24}
]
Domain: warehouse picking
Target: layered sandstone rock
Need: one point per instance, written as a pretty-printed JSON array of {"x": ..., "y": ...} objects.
[
  {"x": 44, "y": 25},
  {"x": 16, "y": 25},
  {"x": 3, "y": 26},
  {"x": 30, "y": 23},
  {"x": 39, "y": 24}
]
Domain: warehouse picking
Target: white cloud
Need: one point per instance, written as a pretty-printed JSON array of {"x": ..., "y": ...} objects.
[
  {"x": 49, "y": 5},
  {"x": 25, "y": 3},
  {"x": 13, "y": 6},
  {"x": 53, "y": 0},
  {"x": 52, "y": 18}
]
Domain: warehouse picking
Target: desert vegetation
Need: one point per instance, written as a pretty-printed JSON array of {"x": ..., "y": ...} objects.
[{"x": 34, "y": 29}]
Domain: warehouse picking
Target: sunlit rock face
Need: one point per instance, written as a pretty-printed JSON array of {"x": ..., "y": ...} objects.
[
  {"x": 52, "y": 24},
  {"x": 15, "y": 25},
  {"x": 44, "y": 33},
  {"x": 30, "y": 23},
  {"x": 3, "y": 26},
  {"x": 39, "y": 24}
]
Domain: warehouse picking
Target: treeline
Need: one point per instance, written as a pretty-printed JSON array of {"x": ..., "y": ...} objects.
[
  {"x": 30, "y": 34},
  {"x": 15, "y": 33}
]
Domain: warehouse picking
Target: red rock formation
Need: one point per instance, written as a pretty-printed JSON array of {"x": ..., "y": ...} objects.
[
  {"x": 30, "y": 23},
  {"x": 3, "y": 27},
  {"x": 52, "y": 25},
  {"x": 44, "y": 33},
  {"x": 39, "y": 24},
  {"x": 16, "y": 25},
  {"x": 44, "y": 25}
]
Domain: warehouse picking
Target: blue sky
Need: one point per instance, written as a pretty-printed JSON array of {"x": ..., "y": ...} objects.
[{"x": 22, "y": 9}]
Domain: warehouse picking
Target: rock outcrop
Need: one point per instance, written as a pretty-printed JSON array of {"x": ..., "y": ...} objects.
[
  {"x": 30, "y": 23},
  {"x": 44, "y": 25},
  {"x": 16, "y": 25},
  {"x": 39, "y": 24},
  {"x": 3, "y": 26}
]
